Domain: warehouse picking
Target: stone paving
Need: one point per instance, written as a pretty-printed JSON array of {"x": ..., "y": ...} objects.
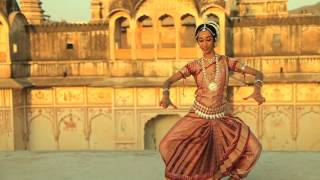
[{"x": 139, "y": 165}]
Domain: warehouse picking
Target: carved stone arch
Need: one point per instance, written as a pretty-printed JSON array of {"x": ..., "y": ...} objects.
[
  {"x": 114, "y": 53},
  {"x": 167, "y": 32},
  {"x": 17, "y": 14},
  {"x": 37, "y": 120},
  {"x": 37, "y": 116},
  {"x": 187, "y": 29},
  {"x": 212, "y": 6},
  {"x": 19, "y": 37},
  {"x": 145, "y": 32},
  {"x": 145, "y": 117},
  {"x": 144, "y": 17},
  {"x": 131, "y": 6},
  {"x": 213, "y": 17},
  {"x": 167, "y": 19},
  {"x": 121, "y": 33},
  {"x": 138, "y": 5},
  {"x": 116, "y": 11},
  {"x": 188, "y": 14}
]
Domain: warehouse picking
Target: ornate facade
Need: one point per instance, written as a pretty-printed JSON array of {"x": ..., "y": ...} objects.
[{"x": 70, "y": 86}]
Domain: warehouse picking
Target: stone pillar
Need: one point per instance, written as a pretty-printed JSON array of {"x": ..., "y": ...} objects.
[
  {"x": 133, "y": 32},
  {"x": 156, "y": 37},
  {"x": 178, "y": 37},
  {"x": 33, "y": 11}
]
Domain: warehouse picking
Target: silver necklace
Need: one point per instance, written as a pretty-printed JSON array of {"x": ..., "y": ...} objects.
[{"x": 212, "y": 86}]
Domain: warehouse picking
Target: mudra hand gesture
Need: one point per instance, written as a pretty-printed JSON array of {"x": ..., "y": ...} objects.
[
  {"x": 256, "y": 95},
  {"x": 166, "y": 102}
]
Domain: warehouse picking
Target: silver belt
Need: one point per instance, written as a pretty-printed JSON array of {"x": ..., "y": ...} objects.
[{"x": 208, "y": 113}]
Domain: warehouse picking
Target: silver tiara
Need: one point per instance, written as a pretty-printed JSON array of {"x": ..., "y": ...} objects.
[{"x": 214, "y": 25}]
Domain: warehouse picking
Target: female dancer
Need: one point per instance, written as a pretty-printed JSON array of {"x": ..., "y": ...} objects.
[{"x": 208, "y": 143}]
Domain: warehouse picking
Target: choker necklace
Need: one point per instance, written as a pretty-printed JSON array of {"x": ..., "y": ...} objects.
[{"x": 212, "y": 86}]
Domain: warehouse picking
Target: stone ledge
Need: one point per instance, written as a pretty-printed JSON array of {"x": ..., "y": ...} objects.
[{"x": 96, "y": 81}]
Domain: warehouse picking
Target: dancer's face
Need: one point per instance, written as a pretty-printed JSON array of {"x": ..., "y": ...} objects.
[{"x": 205, "y": 41}]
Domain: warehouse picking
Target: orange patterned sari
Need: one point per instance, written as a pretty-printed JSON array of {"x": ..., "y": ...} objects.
[{"x": 198, "y": 148}]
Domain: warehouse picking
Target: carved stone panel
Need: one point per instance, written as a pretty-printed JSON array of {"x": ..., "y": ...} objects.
[
  {"x": 5, "y": 121},
  {"x": 250, "y": 115},
  {"x": 71, "y": 126},
  {"x": 100, "y": 95},
  {"x": 308, "y": 92},
  {"x": 5, "y": 98},
  {"x": 100, "y": 128},
  {"x": 146, "y": 97},
  {"x": 308, "y": 128},
  {"x": 70, "y": 95},
  {"x": 241, "y": 92},
  {"x": 125, "y": 125},
  {"x": 124, "y": 97},
  {"x": 276, "y": 93},
  {"x": 40, "y": 97},
  {"x": 41, "y": 129},
  {"x": 278, "y": 128},
  {"x": 6, "y": 130}
]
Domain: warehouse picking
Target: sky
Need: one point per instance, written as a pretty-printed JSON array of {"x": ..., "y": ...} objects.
[{"x": 79, "y": 10}]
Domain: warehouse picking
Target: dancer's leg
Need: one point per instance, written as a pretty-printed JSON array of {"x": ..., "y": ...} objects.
[{"x": 248, "y": 159}]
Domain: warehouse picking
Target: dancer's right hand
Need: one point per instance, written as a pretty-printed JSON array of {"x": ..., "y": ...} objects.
[{"x": 166, "y": 102}]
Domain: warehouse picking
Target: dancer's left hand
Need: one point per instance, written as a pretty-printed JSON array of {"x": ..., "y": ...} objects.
[{"x": 257, "y": 97}]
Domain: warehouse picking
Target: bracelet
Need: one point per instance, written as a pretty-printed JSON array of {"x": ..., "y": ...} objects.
[
  {"x": 165, "y": 89},
  {"x": 258, "y": 81}
]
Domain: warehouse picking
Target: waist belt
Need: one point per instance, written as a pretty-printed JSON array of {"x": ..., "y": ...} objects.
[{"x": 208, "y": 113}]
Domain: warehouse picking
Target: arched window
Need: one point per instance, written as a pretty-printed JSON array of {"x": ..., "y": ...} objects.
[
  {"x": 167, "y": 32},
  {"x": 188, "y": 27},
  {"x": 212, "y": 17},
  {"x": 121, "y": 33},
  {"x": 145, "y": 36}
]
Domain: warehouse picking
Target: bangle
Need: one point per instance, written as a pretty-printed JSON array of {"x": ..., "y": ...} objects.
[
  {"x": 258, "y": 81},
  {"x": 166, "y": 93},
  {"x": 165, "y": 89}
]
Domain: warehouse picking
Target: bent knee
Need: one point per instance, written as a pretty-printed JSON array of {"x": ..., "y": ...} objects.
[
  {"x": 255, "y": 146},
  {"x": 163, "y": 145},
  {"x": 257, "y": 149}
]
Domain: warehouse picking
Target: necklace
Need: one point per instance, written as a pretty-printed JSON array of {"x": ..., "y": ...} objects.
[
  {"x": 208, "y": 60},
  {"x": 212, "y": 86}
]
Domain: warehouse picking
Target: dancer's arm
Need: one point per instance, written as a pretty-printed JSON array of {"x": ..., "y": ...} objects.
[
  {"x": 184, "y": 72},
  {"x": 236, "y": 66},
  {"x": 165, "y": 101},
  {"x": 256, "y": 95}
]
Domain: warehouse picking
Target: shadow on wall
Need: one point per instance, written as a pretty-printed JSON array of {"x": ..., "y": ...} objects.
[{"x": 19, "y": 45}]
